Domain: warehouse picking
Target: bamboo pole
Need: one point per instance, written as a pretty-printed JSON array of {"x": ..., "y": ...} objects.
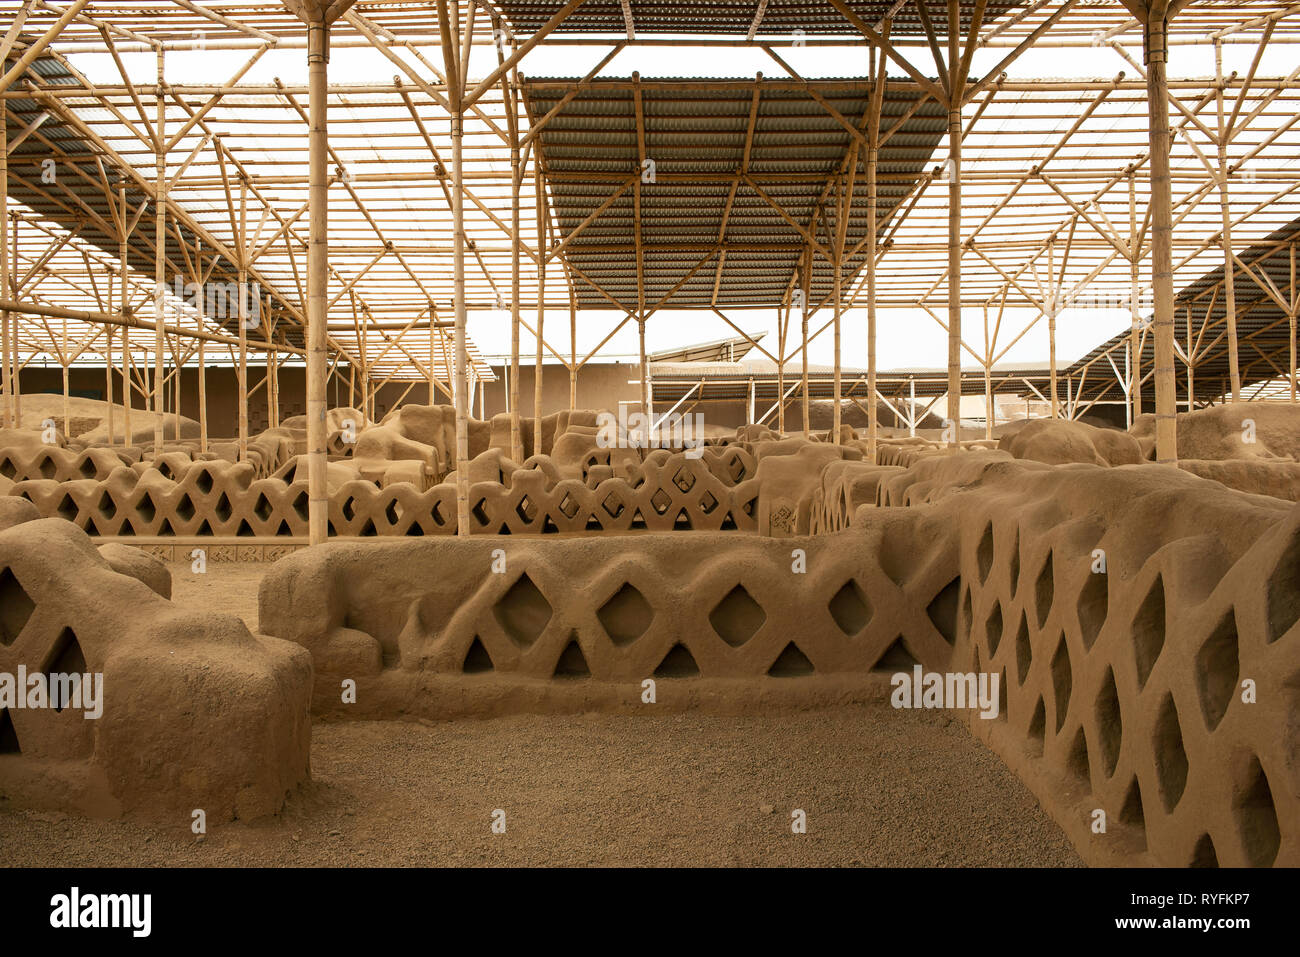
[
  {"x": 1135, "y": 314},
  {"x": 459, "y": 391},
  {"x": 317, "y": 280},
  {"x": 128, "y": 437},
  {"x": 516, "y": 182},
  {"x": 7, "y": 333},
  {"x": 805, "y": 281},
  {"x": 541, "y": 312},
  {"x": 781, "y": 327},
  {"x": 1225, "y": 211},
  {"x": 954, "y": 253},
  {"x": 160, "y": 264},
  {"x": 242, "y": 378},
  {"x": 1162, "y": 269},
  {"x": 16, "y": 378}
]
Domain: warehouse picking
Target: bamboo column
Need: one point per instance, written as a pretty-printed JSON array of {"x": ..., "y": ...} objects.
[
  {"x": 7, "y": 333},
  {"x": 516, "y": 184},
  {"x": 782, "y": 325},
  {"x": 1134, "y": 305},
  {"x": 541, "y": 311},
  {"x": 873, "y": 154},
  {"x": 1051, "y": 329},
  {"x": 456, "y": 92},
  {"x": 954, "y": 249},
  {"x": 128, "y": 437},
  {"x": 160, "y": 261},
  {"x": 516, "y": 438},
  {"x": 317, "y": 276},
  {"x": 242, "y": 378},
  {"x": 573, "y": 348},
  {"x": 16, "y": 373},
  {"x": 805, "y": 281},
  {"x": 1225, "y": 211},
  {"x": 1162, "y": 268},
  {"x": 1295, "y": 307},
  {"x": 645, "y": 375}
]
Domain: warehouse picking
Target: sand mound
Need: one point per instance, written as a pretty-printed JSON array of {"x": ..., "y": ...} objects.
[
  {"x": 1236, "y": 430},
  {"x": 1060, "y": 442}
]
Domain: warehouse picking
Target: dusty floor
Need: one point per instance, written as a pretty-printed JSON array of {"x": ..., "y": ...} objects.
[{"x": 878, "y": 786}]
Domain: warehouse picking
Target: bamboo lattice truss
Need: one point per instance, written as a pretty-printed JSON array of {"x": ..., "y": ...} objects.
[{"x": 368, "y": 219}]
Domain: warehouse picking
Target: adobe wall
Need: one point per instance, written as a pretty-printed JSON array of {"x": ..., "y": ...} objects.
[
  {"x": 1121, "y": 690},
  {"x": 197, "y": 713}
]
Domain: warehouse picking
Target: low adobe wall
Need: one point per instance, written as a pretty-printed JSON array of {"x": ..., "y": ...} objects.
[
  {"x": 196, "y": 712},
  {"x": 1121, "y": 690}
]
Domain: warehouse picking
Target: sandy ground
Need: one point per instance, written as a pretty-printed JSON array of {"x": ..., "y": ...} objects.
[{"x": 878, "y": 787}]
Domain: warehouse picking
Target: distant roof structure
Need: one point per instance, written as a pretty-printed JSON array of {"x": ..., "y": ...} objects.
[
  {"x": 719, "y": 350},
  {"x": 1266, "y": 287},
  {"x": 744, "y": 17},
  {"x": 735, "y": 164}
]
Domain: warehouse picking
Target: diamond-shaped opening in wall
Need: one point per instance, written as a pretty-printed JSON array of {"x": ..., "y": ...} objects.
[
  {"x": 1217, "y": 670},
  {"x": 737, "y": 618},
  {"x": 8, "y": 736},
  {"x": 1131, "y": 812},
  {"x": 626, "y": 616},
  {"x": 1024, "y": 651},
  {"x": 1062, "y": 682},
  {"x": 1171, "y": 758},
  {"x": 16, "y": 607},
  {"x": 1109, "y": 723},
  {"x": 678, "y": 663},
  {"x": 791, "y": 663},
  {"x": 1284, "y": 592},
  {"x": 984, "y": 553},
  {"x": 1044, "y": 588},
  {"x": 1256, "y": 817},
  {"x": 849, "y": 608},
  {"x": 1203, "y": 854},
  {"x": 1076, "y": 759},
  {"x": 1094, "y": 604},
  {"x": 477, "y": 660},
  {"x": 1037, "y": 727},
  {"x": 895, "y": 659},
  {"x": 65, "y": 658},
  {"x": 993, "y": 628},
  {"x": 943, "y": 610},
  {"x": 522, "y": 612},
  {"x": 1149, "y": 631},
  {"x": 572, "y": 662},
  {"x": 1015, "y": 564}
]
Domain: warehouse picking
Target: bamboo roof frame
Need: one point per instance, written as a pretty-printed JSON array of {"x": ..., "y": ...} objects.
[{"x": 1042, "y": 227}]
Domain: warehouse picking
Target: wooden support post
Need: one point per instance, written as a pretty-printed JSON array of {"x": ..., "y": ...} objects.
[
  {"x": 160, "y": 259},
  {"x": 1134, "y": 305},
  {"x": 873, "y": 200},
  {"x": 516, "y": 183},
  {"x": 540, "y": 187},
  {"x": 8, "y": 323},
  {"x": 317, "y": 278},
  {"x": 1162, "y": 268},
  {"x": 1225, "y": 211},
  {"x": 954, "y": 267},
  {"x": 128, "y": 437},
  {"x": 646, "y": 408},
  {"x": 782, "y": 324},
  {"x": 242, "y": 378},
  {"x": 805, "y": 288}
]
